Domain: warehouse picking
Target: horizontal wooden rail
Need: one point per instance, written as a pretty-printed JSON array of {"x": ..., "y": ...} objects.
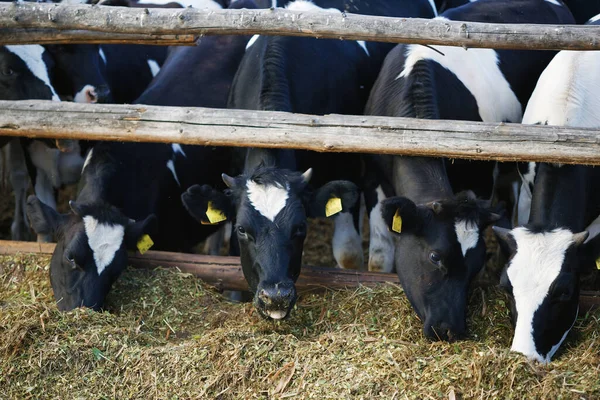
[
  {"x": 226, "y": 272},
  {"x": 223, "y": 272},
  {"x": 330, "y": 133},
  {"x": 108, "y": 21}
]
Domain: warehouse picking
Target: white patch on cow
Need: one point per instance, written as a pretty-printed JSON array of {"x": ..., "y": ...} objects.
[
  {"x": 268, "y": 200},
  {"x": 593, "y": 229},
  {"x": 467, "y": 234},
  {"x": 88, "y": 158},
  {"x": 102, "y": 55},
  {"x": 532, "y": 270},
  {"x": 381, "y": 241},
  {"x": 171, "y": 167},
  {"x": 154, "y": 67},
  {"x": 555, "y": 2},
  {"x": 362, "y": 44},
  {"x": 201, "y": 4},
  {"x": 251, "y": 41},
  {"x": 104, "y": 240},
  {"x": 177, "y": 149},
  {"x": 305, "y": 5},
  {"x": 432, "y": 4},
  {"x": 32, "y": 57},
  {"x": 83, "y": 96},
  {"x": 594, "y": 19},
  {"x": 276, "y": 314},
  {"x": 525, "y": 196},
  {"x": 478, "y": 70},
  {"x": 346, "y": 242},
  {"x": 567, "y": 92}
]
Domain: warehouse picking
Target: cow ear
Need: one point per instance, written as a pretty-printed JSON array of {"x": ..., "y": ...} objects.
[
  {"x": 332, "y": 198},
  {"x": 400, "y": 215},
  {"x": 44, "y": 219},
  {"x": 207, "y": 205},
  {"x": 136, "y": 230}
]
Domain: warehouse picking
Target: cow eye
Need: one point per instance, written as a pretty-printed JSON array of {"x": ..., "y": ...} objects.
[
  {"x": 7, "y": 71},
  {"x": 241, "y": 230},
  {"x": 435, "y": 258}
]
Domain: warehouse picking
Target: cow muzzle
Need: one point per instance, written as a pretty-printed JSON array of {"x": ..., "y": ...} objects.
[
  {"x": 275, "y": 301},
  {"x": 444, "y": 330}
]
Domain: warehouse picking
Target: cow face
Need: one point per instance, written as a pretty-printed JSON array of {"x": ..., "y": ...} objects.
[
  {"x": 542, "y": 278},
  {"x": 24, "y": 73},
  {"x": 439, "y": 249},
  {"x": 77, "y": 74},
  {"x": 91, "y": 251},
  {"x": 270, "y": 208}
]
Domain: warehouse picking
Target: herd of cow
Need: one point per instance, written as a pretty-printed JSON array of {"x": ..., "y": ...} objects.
[{"x": 427, "y": 216}]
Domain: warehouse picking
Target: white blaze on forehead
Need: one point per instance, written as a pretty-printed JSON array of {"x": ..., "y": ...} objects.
[
  {"x": 467, "y": 234},
  {"x": 104, "y": 240},
  {"x": 154, "y": 67},
  {"x": 268, "y": 200},
  {"x": 478, "y": 70},
  {"x": 532, "y": 270},
  {"x": 32, "y": 57}
]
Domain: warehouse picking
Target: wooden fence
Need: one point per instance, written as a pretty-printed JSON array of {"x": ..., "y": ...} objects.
[{"x": 29, "y": 23}]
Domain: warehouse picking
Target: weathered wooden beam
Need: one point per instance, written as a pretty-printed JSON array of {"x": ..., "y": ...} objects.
[
  {"x": 226, "y": 272},
  {"x": 189, "y": 21},
  {"x": 53, "y": 36},
  {"x": 223, "y": 272},
  {"x": 330, "y": 133}
]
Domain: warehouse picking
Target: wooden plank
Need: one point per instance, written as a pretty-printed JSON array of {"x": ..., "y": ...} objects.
[
  {"x": 53, "y": 36},
  {"x": 223, "y": 272},
  {"x": 330, "y": 133},
  {"x": 72, "y": 19}
]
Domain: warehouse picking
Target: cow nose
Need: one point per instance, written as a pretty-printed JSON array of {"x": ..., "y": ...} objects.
[
  {"x": 103, "y": 94},
  {"x": 275, "y": 301},
  {"x": 444, "y": 331}
]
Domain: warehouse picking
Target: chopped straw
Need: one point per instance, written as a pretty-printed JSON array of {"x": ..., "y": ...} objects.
[{"x": 166, "y": 335}]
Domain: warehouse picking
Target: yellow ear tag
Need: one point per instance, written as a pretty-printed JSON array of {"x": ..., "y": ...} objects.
[
  {"x": 214, "y": 216},
  {"x": 333, "y": 206},
  {"x": 397, "y": 222},
  {"x": 144, "y": 244},
  {"x": 598, "y": 264}
]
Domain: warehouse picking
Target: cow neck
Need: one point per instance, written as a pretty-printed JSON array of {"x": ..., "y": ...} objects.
[
  {"x": 421, "y": 179},
  {"x": 565, "y": 197}
]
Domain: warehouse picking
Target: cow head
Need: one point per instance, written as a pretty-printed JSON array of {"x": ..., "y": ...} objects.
[
  {"x": 91, "y": 251},
  {"x": 25, "y": 73},
  {"x": 542, "y": 279},
  {"x": 439, "y": 249},
  {"x": 270, "y": 208},
  {"x": 78, "y": 73}
]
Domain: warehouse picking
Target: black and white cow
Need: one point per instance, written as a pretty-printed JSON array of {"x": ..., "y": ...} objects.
[
  {"x": 269, "y": 202},
  {"x": 439, "y": 247},
  {"x": 122, "y": 182},
  {"x": 550, "y": 252}
]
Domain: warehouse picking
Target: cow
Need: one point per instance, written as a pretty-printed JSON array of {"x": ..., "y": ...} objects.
[
  {"x": 129, "y": 190},
  {"x": 270, "y": 200},
  {"x": 439, "y": 82},
  {"x": 551, "y": 251}
]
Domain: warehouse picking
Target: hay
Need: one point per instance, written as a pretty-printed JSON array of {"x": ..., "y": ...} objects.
[{"x": 169, "y": 336}]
